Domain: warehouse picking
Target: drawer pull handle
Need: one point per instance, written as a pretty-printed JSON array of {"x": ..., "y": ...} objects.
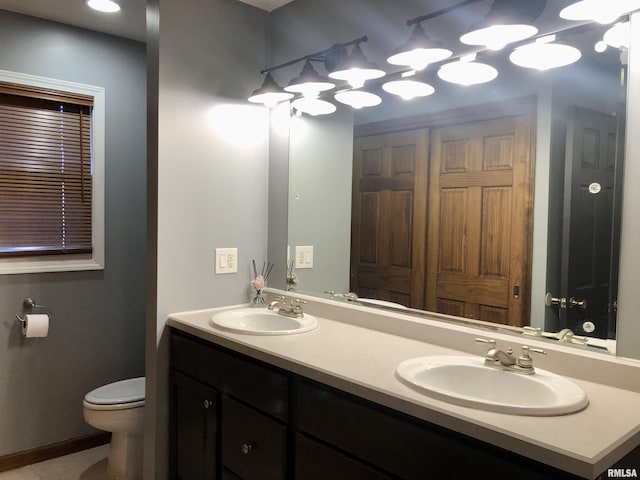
[
  {"x": 247, "y": 448},
  {"x": 208, "y": 403}
]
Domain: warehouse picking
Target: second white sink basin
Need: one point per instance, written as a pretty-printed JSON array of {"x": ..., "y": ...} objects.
[
  {"x": 260, "y": 321},
  {"x": 467, "y": 381}
]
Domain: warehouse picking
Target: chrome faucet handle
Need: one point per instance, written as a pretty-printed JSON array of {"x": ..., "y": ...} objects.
[
  {"x": 490, "y": 342},
  {"x": 532, "y": 331},
  {"x": 297, "y": 304},
  {"x": 525, "y": 360}
]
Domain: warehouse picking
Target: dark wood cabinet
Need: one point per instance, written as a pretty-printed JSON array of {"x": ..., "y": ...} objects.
[
  {"x": 235, "y": 418},
  {"x": 315, "y": 461},
  {"x": 253, "y": 445},
  {"x": 193, "y": 429}
]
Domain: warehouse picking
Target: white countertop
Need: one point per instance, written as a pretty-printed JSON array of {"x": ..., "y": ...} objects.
[{"x": 362, "y": 361}]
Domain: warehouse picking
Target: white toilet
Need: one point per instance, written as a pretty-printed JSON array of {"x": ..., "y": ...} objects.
[{"x": 119, "y": 408}]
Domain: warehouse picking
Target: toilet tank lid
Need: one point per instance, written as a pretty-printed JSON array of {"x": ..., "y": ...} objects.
[{"x": 124, "y": 391}]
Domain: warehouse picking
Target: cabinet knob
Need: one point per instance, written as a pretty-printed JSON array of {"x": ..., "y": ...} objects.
[
  {"x": 247, "y": 447},
  {"x": 208, "y": 403}
]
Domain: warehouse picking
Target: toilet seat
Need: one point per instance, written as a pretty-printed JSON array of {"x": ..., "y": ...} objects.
[{"x": 124, "y": 394}]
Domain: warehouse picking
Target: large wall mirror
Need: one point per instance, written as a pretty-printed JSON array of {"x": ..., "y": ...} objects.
[{"x": 496, "y": 203}]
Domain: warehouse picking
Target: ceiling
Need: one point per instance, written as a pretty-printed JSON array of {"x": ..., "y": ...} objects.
[{"x": 129, "y": 22}]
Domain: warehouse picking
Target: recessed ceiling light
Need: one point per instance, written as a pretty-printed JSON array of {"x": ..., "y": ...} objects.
[{"x": 107, "y": 6}]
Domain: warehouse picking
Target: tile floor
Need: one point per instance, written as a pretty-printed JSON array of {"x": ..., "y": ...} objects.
[{"x": 86, "y": 465}]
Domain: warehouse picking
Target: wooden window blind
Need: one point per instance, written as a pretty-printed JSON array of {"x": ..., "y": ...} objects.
[{"x": 45, "y": 172}]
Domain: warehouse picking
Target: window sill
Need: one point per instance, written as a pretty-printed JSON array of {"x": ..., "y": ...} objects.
[{"x": 49, "y": 264}]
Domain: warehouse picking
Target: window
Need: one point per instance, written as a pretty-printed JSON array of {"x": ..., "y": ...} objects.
[{"x": 51, "y": 175}]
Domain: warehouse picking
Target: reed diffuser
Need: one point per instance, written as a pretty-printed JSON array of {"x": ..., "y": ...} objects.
[
  {"x": 292, "y": 278},
  {"x": 258, "y": 283}
]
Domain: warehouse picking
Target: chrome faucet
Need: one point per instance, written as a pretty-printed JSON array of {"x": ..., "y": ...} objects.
[
  {"x": 348, "y": 296},
  {"x": 292, "y": 309},
  {"x": 505, "y": 360}
]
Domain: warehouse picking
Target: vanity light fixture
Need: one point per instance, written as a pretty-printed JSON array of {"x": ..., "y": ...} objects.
[
  {"x": 358, "y": 98},
  {"x": 408, "y": 89},
  {"x": 506, "y": 22},
  {"x": 419, "y": 51},
  {"x": 313, "y": 106},
  {"x": 600, "y": 11},
  {"x": 270, "y": 93},
  {"x": 356, "y": 69},
  {"x": 545, "y": 53},
  {"x": 619, "y": 35},
  {"x": 106, "y": 6},
  {"x": 309, "y": 83},
  {"x": 467, "y": 72}
]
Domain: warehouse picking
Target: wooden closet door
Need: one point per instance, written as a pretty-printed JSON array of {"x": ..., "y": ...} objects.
[
  {"x": 480, "y": 212},
  {"x": 389, "y": 217}
]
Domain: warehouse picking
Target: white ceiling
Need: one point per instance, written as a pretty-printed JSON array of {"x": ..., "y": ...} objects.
[{"x": 129, "y": 22}]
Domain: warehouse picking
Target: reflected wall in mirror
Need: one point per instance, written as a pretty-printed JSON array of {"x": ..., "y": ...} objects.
[{"x": 485, "y": 249}]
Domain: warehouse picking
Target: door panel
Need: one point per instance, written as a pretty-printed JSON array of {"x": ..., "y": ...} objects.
[
  {"x": 389, "y": 217},
  {"x": 588, "y": 215},
  {"x": 480, "y": 202}
]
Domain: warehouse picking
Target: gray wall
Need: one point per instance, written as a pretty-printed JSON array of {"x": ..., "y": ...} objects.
[
  {"x": 211, "y": 177},
  {"x": 96, "y": 334},
  {"x": 320, "y": 172}
]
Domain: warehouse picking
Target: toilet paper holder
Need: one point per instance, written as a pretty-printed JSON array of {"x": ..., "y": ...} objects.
[{"x": 29, "y": 306}]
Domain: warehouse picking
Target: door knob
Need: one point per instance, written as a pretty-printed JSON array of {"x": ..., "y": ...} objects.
[
  {"x": 573, "y": 303},
  {"x": 247, "y": 448},
  {"x": 550, "y": 300}
]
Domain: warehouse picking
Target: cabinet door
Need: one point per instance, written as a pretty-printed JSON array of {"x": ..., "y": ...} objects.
[
  {"x": 318, "y": 462},
  {"x": 254, "y": 447},
  {"x": 193, "y": 418}
]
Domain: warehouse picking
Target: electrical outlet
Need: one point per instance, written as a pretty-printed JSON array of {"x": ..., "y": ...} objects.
[
  {"x": 304, "y": 256},
  {"x": 226, "y": 261}
]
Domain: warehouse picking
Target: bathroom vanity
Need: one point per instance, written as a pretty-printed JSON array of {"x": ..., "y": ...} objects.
[{"x": 326, "y": 404}]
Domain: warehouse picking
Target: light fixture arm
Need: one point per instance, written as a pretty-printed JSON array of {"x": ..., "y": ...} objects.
[{"x": 318, "y": 56}]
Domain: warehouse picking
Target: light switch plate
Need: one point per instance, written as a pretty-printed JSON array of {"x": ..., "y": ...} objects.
[
  {"x": 304, "y": 256},
  {"x": 226, "y": 261}
]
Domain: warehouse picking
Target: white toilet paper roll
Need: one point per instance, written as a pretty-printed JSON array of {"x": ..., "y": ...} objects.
[{"x": 35, "y": 325}]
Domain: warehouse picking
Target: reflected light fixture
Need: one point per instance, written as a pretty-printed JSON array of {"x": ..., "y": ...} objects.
[
  {"x": 356, "y": 69},
  {"x": 309, "y": 83},
  {"x": 506, "y": 22},
  {"x": 358, "y": 99},
  {"x": 408, "y": 89},
  {"x": 545, "y": 53},
  {"x": 467, "y": 72},
  {"x": 619, "y": 35},
  {"x": 270, "y": 93},
  {"x": 313, "y": 106},
  {"x": 600, "y": 11},
  {"x": 419, "y": 51},
  {"x": 106, "y": 6}
]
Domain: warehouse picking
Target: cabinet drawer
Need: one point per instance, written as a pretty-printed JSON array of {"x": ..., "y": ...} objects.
[
  {"x": 235, "y": 376},
  {"x": 317, "y": 462},
  {"x": 254, "y": 447},
  {"x": 404, "y": 447}
]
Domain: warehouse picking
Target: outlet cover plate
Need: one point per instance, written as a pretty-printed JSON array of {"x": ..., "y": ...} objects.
[{"x": 226, "y": 261}]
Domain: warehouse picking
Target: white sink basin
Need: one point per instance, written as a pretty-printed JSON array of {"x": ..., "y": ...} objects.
[
  {"x": 260, "y": 321},
  {"x": 467, "y": 381}
]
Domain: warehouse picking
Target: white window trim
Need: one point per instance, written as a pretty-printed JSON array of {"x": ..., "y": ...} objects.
[{"x": 69, "y": 263}]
